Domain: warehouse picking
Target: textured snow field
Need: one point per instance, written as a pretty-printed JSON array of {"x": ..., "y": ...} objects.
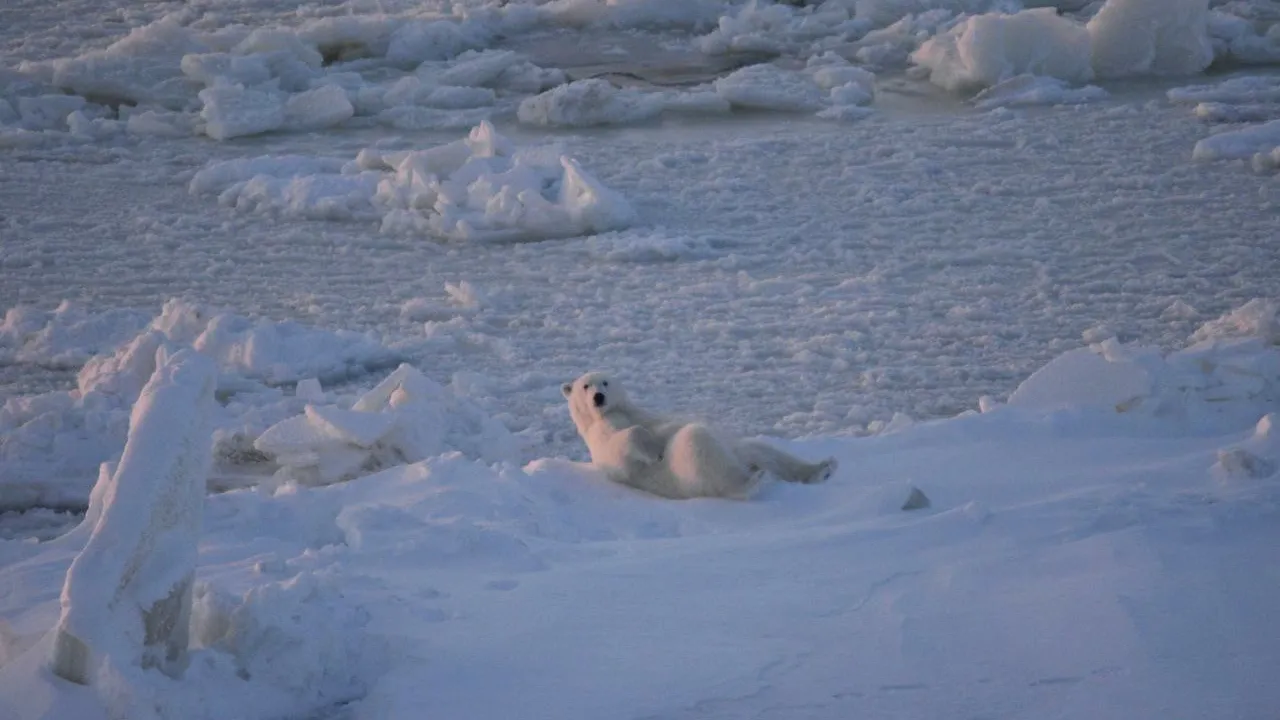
[
  {"x": 1051, "y": 306},
  {"x": 790, "y": 276}
]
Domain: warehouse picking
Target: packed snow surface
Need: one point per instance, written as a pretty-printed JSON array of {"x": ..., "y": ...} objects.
[
  {"x": 1123, "y": 496},
  {"x": 984, "y": 50},
  {"x": 330, "y": 263},
  {"x": 481, "y": 187},
  {"x": 1125, "y": 38}
]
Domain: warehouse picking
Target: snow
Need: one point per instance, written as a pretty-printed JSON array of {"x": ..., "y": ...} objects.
[
  {"x": 1058, "y": 469},
  {"x": 1243, "y": 40},
  {"x": 481, "y": 188},
  {"x": 588, "y": 102},
  {"x": 65, "y": 337},
  {"x": 984, "y": 50},
  {"x": 769, "y": 87},
  {"x": 1244, "y": 89},
  {"x": 1215, "y": 112},
  {"x": 127, "y": 597},
  {"x": 647, "y": 247},
  {"x": 1243, "y": 143},
  {"x": 51, "y": 443},
  {"x": 232, "y": 111},
  {"x": 630, "y": 15},
  {"x": 406, "y": 418},
  {"x": 1024, "y": 90},
  {"x": 1125, "y": 38},
  {"x": 374, "y": 594},
  {"x": 1157, "y": 37},
  {"x": 322, "y": 107}
]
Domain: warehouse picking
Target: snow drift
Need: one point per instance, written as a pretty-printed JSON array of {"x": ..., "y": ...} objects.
[
  {"x": 480, "y": 188},
  {"x": 1138, "y": 486},
  {"x": 1151, "y": 37},
  {"x": 1125, "y": 38},
  {"x": 1227, "y": 377},
  {"x": 405, "y": 419},
  {"x": 589, "y": 102},
  {"x": 1252, "y": 141},
  {"x": 984, "y": 50},
  {"x": 127, "y": 597},
  {"x": 51, "y": 444}
]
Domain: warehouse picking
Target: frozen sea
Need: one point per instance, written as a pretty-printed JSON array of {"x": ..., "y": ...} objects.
[
  {"x": 1024, "y": 260},
  {"x": 790, "y": 275}
]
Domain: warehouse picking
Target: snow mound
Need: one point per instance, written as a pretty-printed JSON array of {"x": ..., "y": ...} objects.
[
  {"x": 479, "y": 188},
  {"x": 755, "y": 27},
  {"x": 985, "y": 50},
  {"x": 232, "y": 111},
  {"x": 1258, "y": 318},
  {"x": 274, "y": 353},
  {"x": 315, "y": 602},
  {"x": 1244, "y": 40},
  {"x": 1125, "y": 38},
  {"x": 127, "y": 596},
  {"x": 65, "y": 337},
  {"x": 298, "y": 639},
  {"x": 589, "y": 102},
  {"x": 769, "y": 87},
  {"x": 1215, "y": 112},
  {"x": 1239, "y": 90},
  {"x": 1257, "y": 457},
  {"x": 649, "y": 248},
  {"x": 1151, "y": 37},
  {"x": 406, "y": 418},
  {"x": 240, "y": 81},
  {"x": 849, "y": 88},
  {"x": 1266, "y": 160},
  {"x": 890, "y": 46},
  {"x": 498, "y": 69},
  {"x": 52, "y": 443},
  {"x": 632, "y": 15},
  {"x": 1025, "y": 90},
  {"x": 143, "y": 68},
  {"x": 290, "y": 186},
  {"x": 885, "y": 13},
  {"x": 1244, "y": 143},
  {"x": 1229, "y": 374}
]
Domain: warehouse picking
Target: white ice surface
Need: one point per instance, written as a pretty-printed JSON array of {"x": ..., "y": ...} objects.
[
  {"x": 922, "y": 245},
  {"x": 1242, "y": 143},
  {"x": 1244, "y": 89},
  {"x": 1099, "y": 548},
  {"x": 1151, "y": 37},
  {"x": 588, "y": 102},
  {"x": 480, "y": 188},
  {"x": 52, "y": 443},
  {"x": 1077, "y": 558},
  {"x": 1124, "y": 38},
  {"x": 768, "y": 87},
  {"x": 984, "y": 50},
  {"x": 126, "y": 601},
  {"x": 1025, "y": 90}
]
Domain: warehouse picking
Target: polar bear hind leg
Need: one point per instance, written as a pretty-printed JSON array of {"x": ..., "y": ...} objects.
[
  {"x": 783, "y": 465},
  {"x": 703, "y": 466}
]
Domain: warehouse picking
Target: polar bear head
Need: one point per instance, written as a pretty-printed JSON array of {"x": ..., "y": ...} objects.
[{"x": 593, "y": 395}]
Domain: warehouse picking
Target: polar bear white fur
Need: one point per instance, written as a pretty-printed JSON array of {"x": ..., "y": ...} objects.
[{"x": 671, "y": 458}]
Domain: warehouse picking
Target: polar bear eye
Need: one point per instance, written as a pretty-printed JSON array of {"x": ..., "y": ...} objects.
[
  {"x": 606, "y": 383},
  {"x": 586, "y": 386}
]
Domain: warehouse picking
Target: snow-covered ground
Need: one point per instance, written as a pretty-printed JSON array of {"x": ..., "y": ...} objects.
[{"x": 390, "y": 230}]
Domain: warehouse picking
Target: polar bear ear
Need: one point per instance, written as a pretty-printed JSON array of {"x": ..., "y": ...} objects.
[{"x": 567, "y": 389}]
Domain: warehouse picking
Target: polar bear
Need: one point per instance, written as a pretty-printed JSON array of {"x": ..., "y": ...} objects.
[{"x": 671, "y": 458}]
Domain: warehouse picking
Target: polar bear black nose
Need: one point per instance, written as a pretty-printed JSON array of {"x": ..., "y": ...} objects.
[{"x": 598, "y": 399}]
